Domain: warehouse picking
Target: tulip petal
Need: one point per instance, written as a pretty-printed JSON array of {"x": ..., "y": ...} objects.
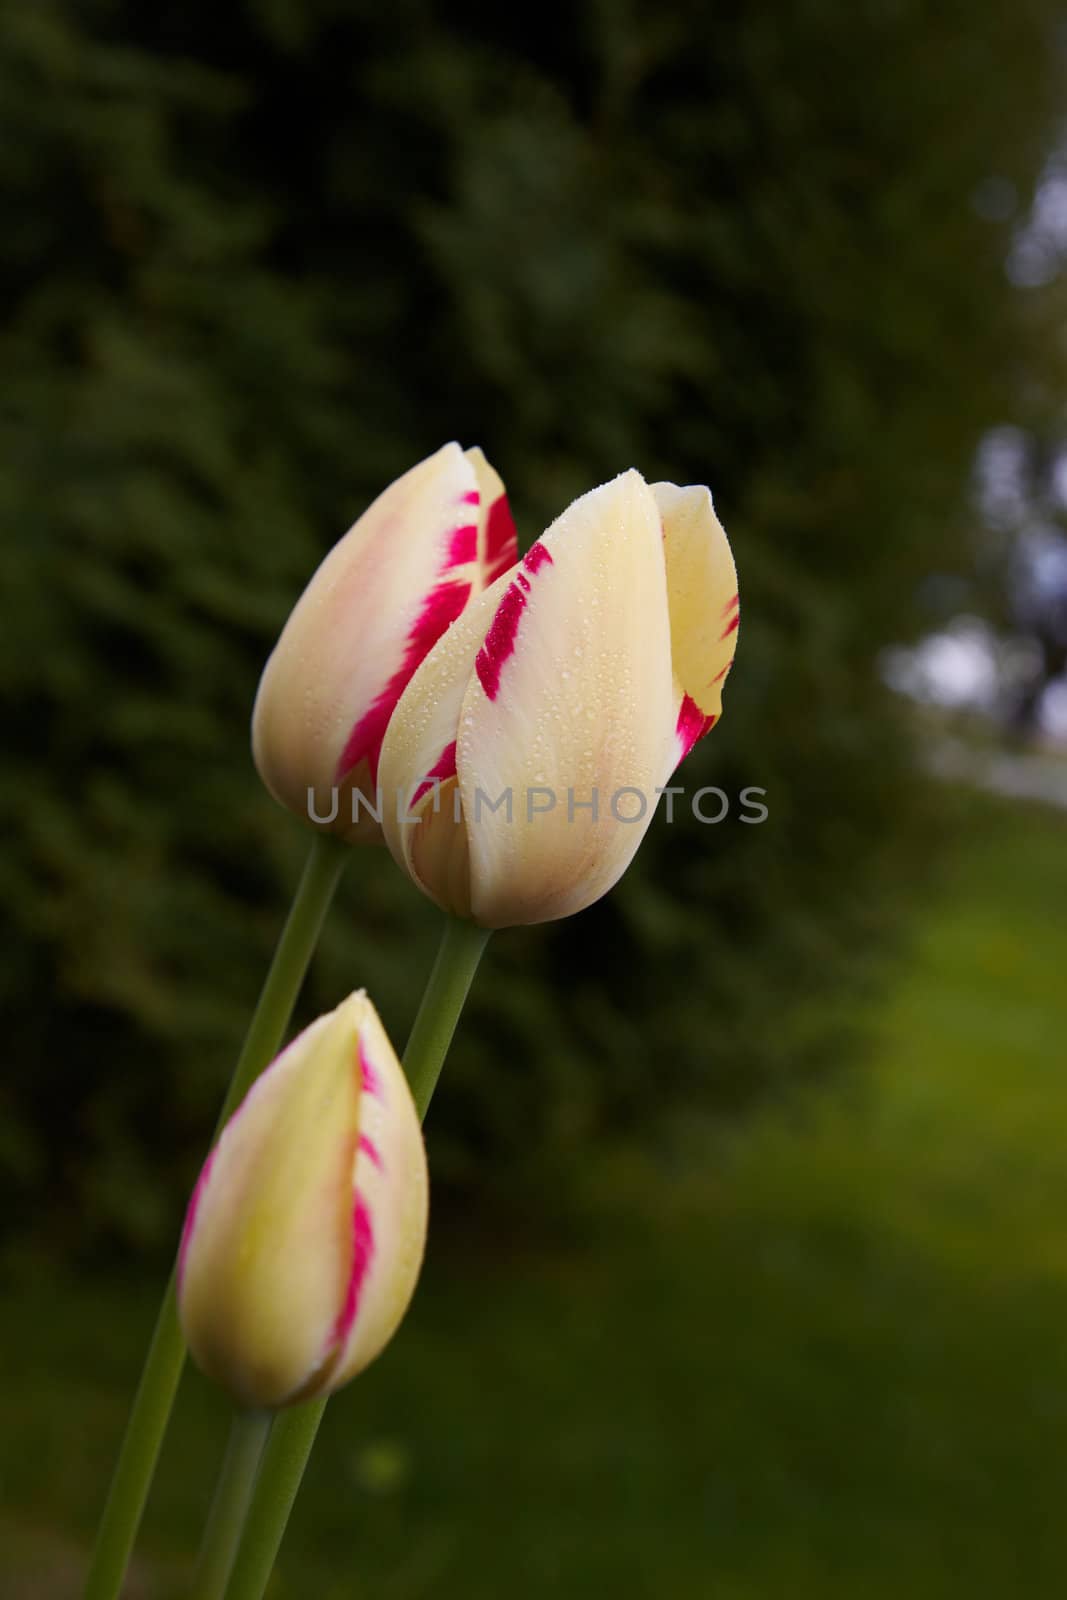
[
  {"x": 278, "y": 1187},
  {"x": 389, "y": 1215},
  {"x": 497, "y": 543},
  {"x": 571, "y": 697},
  {"x": 704, "y": 608},
  {"x": 418, "y": 818},
  {"x": 405, "y": 570}
]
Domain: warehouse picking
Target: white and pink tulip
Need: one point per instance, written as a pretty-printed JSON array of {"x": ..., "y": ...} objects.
[
  {"x": 375, "y": 607},
  {"x": 574, "y": 684},
  {"x": 304, "y": 1235}
]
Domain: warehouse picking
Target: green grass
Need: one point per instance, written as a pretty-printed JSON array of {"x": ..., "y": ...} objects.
[{"x": 832, "y": 1362}]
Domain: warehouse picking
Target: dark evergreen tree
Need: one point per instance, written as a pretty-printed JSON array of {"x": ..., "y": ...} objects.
[{"x": 256, "y": 260}]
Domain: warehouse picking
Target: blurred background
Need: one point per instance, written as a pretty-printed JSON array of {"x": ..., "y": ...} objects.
[{"x": 749, "y": 1268}]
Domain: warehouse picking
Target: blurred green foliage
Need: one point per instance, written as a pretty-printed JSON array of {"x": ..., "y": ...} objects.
[
  {"x": 830, "y": 1366},
  {"x": 256, "y": 261}
]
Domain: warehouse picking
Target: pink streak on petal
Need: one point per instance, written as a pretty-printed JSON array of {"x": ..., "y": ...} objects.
[
  {"x": 362, "y": 1251},
  {"x": 731, "y": 627},
  {"x": 500, "y": 640},
  {"x": 371, "y": 1082},
  {"x": 443, "y": 605},
  {"x": 443, "y": 767},
  {"x": 692, "y": 725},
  {"x": 190, "y": 1215},
  {"x": 441, "y": 608},
  {"x": 719, "y": 676},
  {"x": 463, "y": 545},
  {"x": 536, "y": 557},
  {"x": 501, "y": 543},
  {"x": 472, "y": 497},
  {"x": 729, "y": 606},
  {"x": 370, "y": 1150}
]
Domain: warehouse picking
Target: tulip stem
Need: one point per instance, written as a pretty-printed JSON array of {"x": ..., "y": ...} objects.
[
  {"x": 293, "y": 1434},
  {"x": 152, "y": 1404},
  {"x": 458, "y": 955},
  {"x": 237, "y": 1479}
]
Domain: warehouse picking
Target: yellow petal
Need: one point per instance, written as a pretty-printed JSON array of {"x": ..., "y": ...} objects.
[
  {"x": 497, "y": 545},
  {"x": 418, "y": 759},
  {"x": 267, "y": 1250},
  {"x": 390, "y": 1205},
  {"x": 570, "y": 700},
  {"x": 375, "y": 606},
  {"x": 703, "y": 599}
]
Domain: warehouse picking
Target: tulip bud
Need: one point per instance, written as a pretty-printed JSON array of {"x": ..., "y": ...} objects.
[
  {"x": 381, "y": 598},
  {"x": 304, "y": 1235},
  {"x": 532, "y": 741}
]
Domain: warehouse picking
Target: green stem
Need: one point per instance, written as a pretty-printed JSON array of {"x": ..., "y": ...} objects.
[
  {"x": 166, "y": 1353},
  {"x": 446, "y": 991},
  {"x": 280, "y": 1475},
  {"x": 248, "y": 1436},
  {"x": 294, "y": 1430}
]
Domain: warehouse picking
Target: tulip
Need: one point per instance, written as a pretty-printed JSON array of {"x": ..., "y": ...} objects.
[
  {"x": 530, "y": 744},
  {"x": 304, "y": 1235},
  {"x": 381, "y": 598}
]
